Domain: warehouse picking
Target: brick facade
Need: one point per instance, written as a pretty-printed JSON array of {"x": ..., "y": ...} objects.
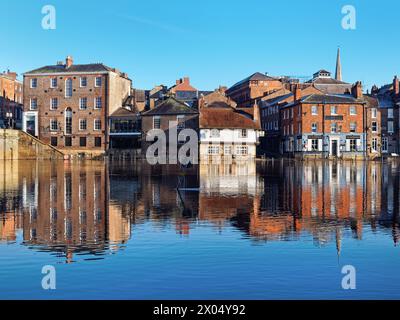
[{"x": 87, "y": 95}]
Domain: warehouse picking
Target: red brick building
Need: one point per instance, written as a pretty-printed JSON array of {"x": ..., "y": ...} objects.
[
  {"x": 67, "y": 105},
  {"x": 10, "y": 100},
  {"x": 324, "y": 125},
  {"x": 184, "y": 91},
  {"x": 246, "y": 91}
]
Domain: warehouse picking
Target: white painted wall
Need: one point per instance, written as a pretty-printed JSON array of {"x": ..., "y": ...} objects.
[{"x": 229, "y": 135}]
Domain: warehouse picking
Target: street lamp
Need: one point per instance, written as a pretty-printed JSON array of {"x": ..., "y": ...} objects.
[{"x": 9, "y": 116}]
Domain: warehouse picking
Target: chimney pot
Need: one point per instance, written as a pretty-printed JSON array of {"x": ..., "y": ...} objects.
[
  {"x": 297, "y": 93},
  {"x": 69, "y": 61},
  {"x": 396, "y": 85}
]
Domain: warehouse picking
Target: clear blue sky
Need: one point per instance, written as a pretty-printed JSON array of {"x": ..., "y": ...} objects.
[{"x": 212, "y": 41}]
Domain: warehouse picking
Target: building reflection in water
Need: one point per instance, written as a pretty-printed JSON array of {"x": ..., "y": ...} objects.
[{"x": 89, "y": 208}]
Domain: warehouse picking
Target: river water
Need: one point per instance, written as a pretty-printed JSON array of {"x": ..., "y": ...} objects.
[{"x": 254, "y": 230}]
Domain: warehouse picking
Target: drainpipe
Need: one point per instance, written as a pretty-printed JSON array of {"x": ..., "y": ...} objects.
[
  {"x": 323, "y": 128},
  {"x": 106, "y": 107},
  {"x": 364, "y": 132}
]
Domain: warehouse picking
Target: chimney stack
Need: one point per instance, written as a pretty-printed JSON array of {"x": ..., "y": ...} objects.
[
  {"x": 396, "y": 86},
  {"x": 186, "y": 80},
  {"x": 297, "y": 93},
  {"x": 69, "y": 62},
  {"x": 357, "y": 90},
  {"x": 256, "y": 113}
]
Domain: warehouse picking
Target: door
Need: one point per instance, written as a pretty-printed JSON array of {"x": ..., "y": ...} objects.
[
  {"x": 31, "y": 125},
  {"x": 334, "y": 151}
]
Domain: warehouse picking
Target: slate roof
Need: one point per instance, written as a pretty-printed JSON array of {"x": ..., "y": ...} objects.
[
  {"x": 75, "y": 68},
  {"x": 330, "y": 81},
  {"x": 225, "y": 118},
  {"x": 330, "y": 98},
  {"x": 171, "y": 106},
  {"x": 254, "y": 76},
  {"x": 327, "y": 99},
  {"x": 218, "y": 104},
  {"x": 123, "y": 113}
]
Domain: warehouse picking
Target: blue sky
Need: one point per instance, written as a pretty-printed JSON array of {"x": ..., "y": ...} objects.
[{"x": 213, "y": 42}]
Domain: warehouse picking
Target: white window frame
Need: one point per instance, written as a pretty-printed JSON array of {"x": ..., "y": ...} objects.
[
  {"x": 313, "y": 145},
  {"x": 95, "y": 103},
  {"x": 385, "y": 143},
  {"x": 372, "y": 126},
  {"x": 242, "y": 150},
  {"x": 373, "y": 113},
  {"x": 390, "y": 128},
  {"x": 334, "y": 111},
  {"x": 36, "y": 83},
  {"x": 353, "y": 110},
  {"x": 96, "y": 121},
  {"x": 52, "y": 121},
  {"x": 314, "y": 127},
  {"x": 390, "y": 113},
  {"x": 30, "y": 104},
  {"x": 51, "y": 103},
  {"x": 215, "y": 133},
  {"x": 81, "y": 81},
  {"x": 80, "y": 103},
  {"x": 95, "y": 82},
  {"x": 374, "y": 141},
  {"x": 334, "y": 125},
  {"x": 314, "y": 110},
  {"x": 158, "y": 118},
  {"x": 213, "y": 150},
  {"x": 51, "y": 83},
  {"x": 80, "y": 124},
  {"x": 68, "y": 80},
  {"x": 180, "y": 119}
]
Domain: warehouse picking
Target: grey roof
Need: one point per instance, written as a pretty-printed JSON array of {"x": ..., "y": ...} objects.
[
  {"x": 218, "y": 104},
  {"x": 254, "y": 76},
  {"x": 277, "y": 99},
  {"x": 330, "y": 98},
  {"x": 327, "y": 99},
  {"x": 75, "y": 68},
  {"x": 123, "y": 113},
  {"x": 385, "y": 102},
  {"x": 327, "y": 81},
  {"x": 171, "y": 106}
]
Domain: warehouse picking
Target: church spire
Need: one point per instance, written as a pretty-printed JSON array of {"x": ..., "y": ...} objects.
[{"x": 338, "y": 75}]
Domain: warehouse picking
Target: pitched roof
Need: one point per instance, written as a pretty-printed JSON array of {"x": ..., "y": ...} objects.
[
  {"x": 123, "y": 113},
  {"x": 255, "y": 76},
  {"x": 225, "y": 118},
  {"x": 326, "y": 81},
  {"x": 170, "y": 106},
  {"x": 330, "y": 98},
  {"x": 75, "y": 68}
]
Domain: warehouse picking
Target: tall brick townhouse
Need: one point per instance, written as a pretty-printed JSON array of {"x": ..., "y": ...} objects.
[
  {"x": 388, "y": 97},
  {"x": 330, "y": 125},
  {"x": 257, "y": 85},
  {"x": 10, "y": 100},
  {"x": 67, "y": 105}
]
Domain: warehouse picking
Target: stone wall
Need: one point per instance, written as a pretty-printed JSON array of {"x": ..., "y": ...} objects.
[{"x": 18, "y": 145}]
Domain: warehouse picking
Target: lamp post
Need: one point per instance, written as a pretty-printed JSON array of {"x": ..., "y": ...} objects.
[{"x": 9, "y": 117}]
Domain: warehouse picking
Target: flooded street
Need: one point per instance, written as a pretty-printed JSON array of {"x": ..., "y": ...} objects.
[{"x": 265, "y": 230}]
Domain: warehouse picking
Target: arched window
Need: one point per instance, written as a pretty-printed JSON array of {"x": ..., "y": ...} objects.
[
  {"x": 68, "y": 121},
  {"x": 68, "y": 88}
]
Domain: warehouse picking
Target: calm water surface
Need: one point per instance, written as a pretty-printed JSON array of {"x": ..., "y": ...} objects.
[{"x": 263, "y": 230}]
